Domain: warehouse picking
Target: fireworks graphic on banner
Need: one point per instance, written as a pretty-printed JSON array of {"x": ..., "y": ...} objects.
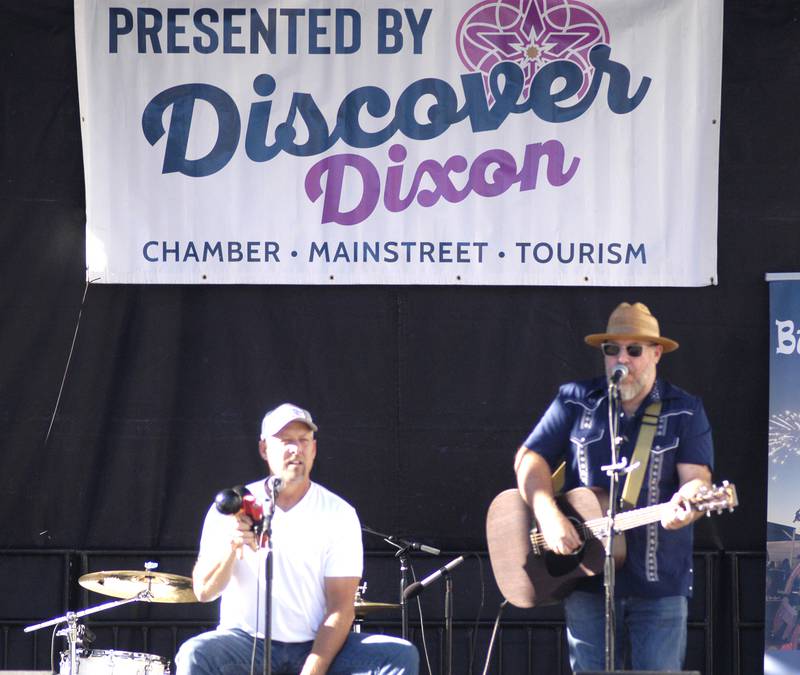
[{"x": 784, "y": 439}]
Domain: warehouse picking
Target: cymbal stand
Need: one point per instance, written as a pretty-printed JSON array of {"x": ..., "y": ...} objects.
[
  {"x": 72, "y": 641},
  {"x": 74, "y": 633},
  {"x": 359, "y": 594}
]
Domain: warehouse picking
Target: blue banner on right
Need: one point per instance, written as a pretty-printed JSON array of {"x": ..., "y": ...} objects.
[{"x": 782, "y": 627}]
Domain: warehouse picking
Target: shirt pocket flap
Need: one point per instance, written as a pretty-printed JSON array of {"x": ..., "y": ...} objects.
[
  {"x": 665, "y": 444},
  {"x": 585, "y": 439}
]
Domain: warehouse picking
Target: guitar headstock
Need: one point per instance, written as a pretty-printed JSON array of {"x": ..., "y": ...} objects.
[{"x": 715, "y": 499}]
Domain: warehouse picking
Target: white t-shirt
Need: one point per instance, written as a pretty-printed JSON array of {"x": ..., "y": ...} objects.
[{"x": 318, "y": 537}]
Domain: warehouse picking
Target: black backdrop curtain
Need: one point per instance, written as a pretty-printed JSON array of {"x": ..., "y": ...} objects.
[{"x": 422, "y": 394}]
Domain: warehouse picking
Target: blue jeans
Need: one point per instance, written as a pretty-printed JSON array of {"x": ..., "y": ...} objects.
[
  {"x": 650, "y": 635},
  {"x": 228, "y": 652}
]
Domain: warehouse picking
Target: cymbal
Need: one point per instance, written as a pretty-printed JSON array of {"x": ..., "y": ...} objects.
[
  {"x": 156, "y": 586},
  {"x": 363, "y": 607}
]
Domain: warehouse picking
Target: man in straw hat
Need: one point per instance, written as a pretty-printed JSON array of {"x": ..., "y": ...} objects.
[
  {"x": 655, "y": 581},
  {"x": 317, "y": 565}
]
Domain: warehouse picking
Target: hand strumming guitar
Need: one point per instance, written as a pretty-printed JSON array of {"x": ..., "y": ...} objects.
[
  {"x": 558, "y": 531},
  {"x": 535, "y": 486}
]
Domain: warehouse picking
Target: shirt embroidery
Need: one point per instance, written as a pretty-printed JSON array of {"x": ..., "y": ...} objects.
[
  {"x": 651, "y": 561},
  {"x": 585, "y": 422}
]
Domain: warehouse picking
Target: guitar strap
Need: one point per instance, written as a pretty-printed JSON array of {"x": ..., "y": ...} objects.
[
  {"x": 641, "y": 454},
  {"x": 558, "y": 478}
]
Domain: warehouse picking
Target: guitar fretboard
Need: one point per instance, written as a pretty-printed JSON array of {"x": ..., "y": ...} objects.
[{"x": 597, "y": 528}]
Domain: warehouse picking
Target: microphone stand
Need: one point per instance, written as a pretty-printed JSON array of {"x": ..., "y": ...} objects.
[
  {"x": 613, "y": 471},
  {"x": 403, "y": 547},
  {"x": 416, "y": 588},
  {"x": 402, "y": 556},
  {"x": 448, "y": 621},
  {"x": 267, "y": 532}
]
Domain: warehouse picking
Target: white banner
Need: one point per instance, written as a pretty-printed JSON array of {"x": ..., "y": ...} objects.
[{"x": 423, "y": 142}]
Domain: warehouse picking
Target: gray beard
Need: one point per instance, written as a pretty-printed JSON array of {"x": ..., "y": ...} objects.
[{"x": 630, "y": 391}]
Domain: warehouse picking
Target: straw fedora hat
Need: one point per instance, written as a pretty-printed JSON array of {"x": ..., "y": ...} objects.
[{"x": 632, "y": 322}]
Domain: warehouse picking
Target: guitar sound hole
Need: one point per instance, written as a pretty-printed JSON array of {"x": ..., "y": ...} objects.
[{"x": 559, "y": 565}]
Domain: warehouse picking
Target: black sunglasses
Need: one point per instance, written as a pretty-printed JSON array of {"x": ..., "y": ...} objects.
[{"x": 610, "y": 349}]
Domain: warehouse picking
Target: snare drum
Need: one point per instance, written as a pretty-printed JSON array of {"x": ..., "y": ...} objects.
[{"x": 108, "y": 662}]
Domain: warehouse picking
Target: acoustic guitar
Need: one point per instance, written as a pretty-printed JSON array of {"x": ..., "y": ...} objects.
[{"x": 529, "y": 574}]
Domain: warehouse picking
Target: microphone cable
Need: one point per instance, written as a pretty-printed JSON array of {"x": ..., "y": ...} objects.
[
  {"x": 494, "y": 635},
  {"x": 474, "y": 640},
  {"x": 53, "y": 650},
  {"x": 421, "y": 622}
]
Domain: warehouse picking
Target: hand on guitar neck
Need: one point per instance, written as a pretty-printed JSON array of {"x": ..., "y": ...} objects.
[{"x": 695, "y": 482}]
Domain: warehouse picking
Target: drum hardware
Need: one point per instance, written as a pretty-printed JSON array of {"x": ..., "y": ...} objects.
[
  {"x": 132, "y": 586},
  {"x": 103, "y": 662},
  {"x": 364, "y": 608},
  {"x": 148, "y": 586}
]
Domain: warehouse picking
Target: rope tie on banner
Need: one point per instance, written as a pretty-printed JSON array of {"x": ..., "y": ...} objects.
[{"x": 69, "y": 360}]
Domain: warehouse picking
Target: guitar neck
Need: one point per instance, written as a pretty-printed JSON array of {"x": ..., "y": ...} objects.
[
  {"x": 627, "y": 520},
  {"x": 598, "y": 527},
  {"x": 712, "y": 500}
]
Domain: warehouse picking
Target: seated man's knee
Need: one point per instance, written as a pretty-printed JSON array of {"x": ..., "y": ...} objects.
[
  {"x": 403, "y": 655},
  {"x": 199, "y": 654},
  {"x": 187, "y": 655},
  {"x": 411, "y": 657}
]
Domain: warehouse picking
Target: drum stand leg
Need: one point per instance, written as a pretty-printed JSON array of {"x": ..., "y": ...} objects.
[
  {"x": 75, "y": 635},
  {"x": 71, "y": 633}
]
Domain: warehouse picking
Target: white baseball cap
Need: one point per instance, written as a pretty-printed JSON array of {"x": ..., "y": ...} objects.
[{"x": 284, "y": 414}]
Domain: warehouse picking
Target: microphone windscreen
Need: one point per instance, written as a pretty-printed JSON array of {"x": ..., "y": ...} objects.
[{"x": 413, "y": 590}]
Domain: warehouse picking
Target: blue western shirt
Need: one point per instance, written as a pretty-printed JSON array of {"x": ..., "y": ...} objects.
[{"x": 575, "y": 429}]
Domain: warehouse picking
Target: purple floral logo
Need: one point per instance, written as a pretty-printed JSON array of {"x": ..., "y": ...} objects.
[{"x": 530, "y": 33}]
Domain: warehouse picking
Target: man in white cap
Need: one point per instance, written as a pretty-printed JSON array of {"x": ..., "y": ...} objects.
[
  {"x": 655, "y": 581},
  {"x": 317, "y": 565}
]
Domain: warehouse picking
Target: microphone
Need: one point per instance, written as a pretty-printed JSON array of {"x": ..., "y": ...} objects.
[
  {"x": 618, "y": 372},
  {"x": 274, "y": 486},
  {"x": 416, "y": 546},
  {"x": 403, "y": 543},
  {"x": 418, "y": 586}
]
